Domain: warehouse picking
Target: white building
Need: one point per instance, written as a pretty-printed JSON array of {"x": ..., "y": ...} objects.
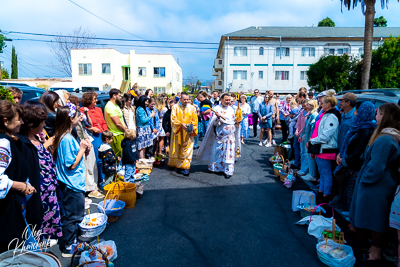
[
  {"x": 277, "y": 58},
  {"x": 109, "y": 68}
]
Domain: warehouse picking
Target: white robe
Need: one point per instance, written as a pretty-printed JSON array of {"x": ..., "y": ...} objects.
[{"x": 220, "y": 142}]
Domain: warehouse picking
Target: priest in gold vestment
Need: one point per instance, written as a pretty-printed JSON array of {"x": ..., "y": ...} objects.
[{"x": 184, "y": 130}]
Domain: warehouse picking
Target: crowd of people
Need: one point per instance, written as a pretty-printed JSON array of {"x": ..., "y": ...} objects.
[{"x": 58, "y": 150}]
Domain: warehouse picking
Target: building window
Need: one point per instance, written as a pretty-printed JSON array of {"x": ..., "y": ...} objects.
[
  {"x": 329, "y": 51},
  {"x": 142, "y": 71},
  {"x": 285, "y": 51},
  {"x": 281, "y": 75},
  {"x": 220, "y": 61},
  {"x": 143, "y": 89},
  {"x": 159, "y": 72},
  {"x": 303, "y": 75},
  {"x": 240, "y": 51},
  {"x": 240, "y": 74},
  {"x": 342, "y": 51},
  {"x": 178, "y": 76},
  {"x": 360, "y": 51},
  {"x": 159, "y": 90},
  {"x": 308, "y": 52},
  {"x": 105, "y": 68},
  {"x": 260, "y": 74},
  {"x": 261, "y": 51},
  {"x": 85, "y": 68}
]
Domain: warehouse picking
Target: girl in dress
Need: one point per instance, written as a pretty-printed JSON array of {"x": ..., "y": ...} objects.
[
  {"x": 265, "y": 112},
  {"x": 162, "y": 109},
  {"x": 144, "y": 133},
  {"x": 244, "y": 125}
]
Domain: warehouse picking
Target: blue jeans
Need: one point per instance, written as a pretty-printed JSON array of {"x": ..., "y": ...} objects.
[
  {"x": 96, "y": 144},
  {"x": 296, "y": 147},
  {"x": 196, "y": 141},
  {"x": 325, "y": 171},
  {"x": 130, "y": 170},
  {"x": 74, "y": 210},
  {"x": 312, "y": 166},
  {"x": 303, "y": 157}
]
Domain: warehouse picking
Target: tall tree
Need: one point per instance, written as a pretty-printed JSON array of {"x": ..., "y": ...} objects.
[
  {"x": 61, "y": 47},
  {"x": 14, "y": 64},
  {"x": 380, "y": 22},
  {"x": 4, "y": 74},
  {"x": 368, "y": 9},
  {"x": 326, "y": 22}
]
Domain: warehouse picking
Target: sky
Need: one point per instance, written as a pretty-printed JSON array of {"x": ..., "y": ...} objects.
[{"x": 172, "y": 20}]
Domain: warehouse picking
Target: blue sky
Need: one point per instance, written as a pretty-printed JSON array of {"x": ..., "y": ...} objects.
[{"x": 174, "y": 20}]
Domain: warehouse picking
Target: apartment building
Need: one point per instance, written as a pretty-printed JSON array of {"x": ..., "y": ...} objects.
[
  {"x": 277, "y": 58},
  {"x": 109, "y": 68}
]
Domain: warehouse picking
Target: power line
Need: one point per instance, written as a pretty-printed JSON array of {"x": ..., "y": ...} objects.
[
  {"x": 126, "y": 45},
  {"x": 104, "y": 19},
  {"x": 109, "y": 39}
]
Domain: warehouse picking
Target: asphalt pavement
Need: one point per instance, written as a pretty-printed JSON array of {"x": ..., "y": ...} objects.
[{"x": 207, "y": 220}]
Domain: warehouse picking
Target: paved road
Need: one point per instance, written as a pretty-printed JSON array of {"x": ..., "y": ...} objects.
[{"x": 207, "y": 220}]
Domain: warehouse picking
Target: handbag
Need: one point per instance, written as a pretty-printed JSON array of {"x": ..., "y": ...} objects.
[
  {"x": 342, "y": 176},
  {"x": 314, "y": 149}
]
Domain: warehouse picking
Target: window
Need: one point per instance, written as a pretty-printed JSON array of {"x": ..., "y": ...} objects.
[
  {"x": 281, "y": 75},
  {"x": 261, "y": 51},
  {"x": 159, "y": 90},
  {"x": 142, "y": 71},
  {"x": 105, "y": 68},
  {"x": 330, "y": 51},
  {"x": 240, "y": 74},
  {"x": 220, "y": 61},
  {"x": 341, "y": 51},
  {"x": 303, "y": 75},
  {"x": 178, "y": 76},
  {"x": 260, "y": 74},
  {"x": 85, "y": 68},
  {"x": 159, "y": 72},
  {"x": 360, "y": 51},
  {"x": 308, "y": 52},
  {"x": 240, "y": 51},
  {"x": 285, "y": 51}
]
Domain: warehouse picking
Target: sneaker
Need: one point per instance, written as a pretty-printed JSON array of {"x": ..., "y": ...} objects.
[
  {"x": 300, "y": 173},
  {"x": 96, "y": 194},
  {"x": 314, "y": 187},
  {"x": 260, "y": 144},
  {"x": 88, "y": 201},
  {"x": 268, "y": 145},
  {"x": 273, "y": 142},
  {"x": 308, "y": 177},
  {"x": 265, "y": 141},
  {"x": 291, "y": 136},
  {"x": 292, "y": 162},
  {"x": 185, "y": 172},
  {"x": 67, "y": 254}
]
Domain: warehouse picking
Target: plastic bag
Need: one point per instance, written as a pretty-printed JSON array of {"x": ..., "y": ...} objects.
[
  {"x": 328, "y": 253},
  {"x": 319, "y": 224},
  {"x": 107, "y": 247}
]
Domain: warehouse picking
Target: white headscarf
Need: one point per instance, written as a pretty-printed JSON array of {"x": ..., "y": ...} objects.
[{"x": 62, "y": 100}]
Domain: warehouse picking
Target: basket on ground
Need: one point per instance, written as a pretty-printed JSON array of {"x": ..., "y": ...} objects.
[
  {"x": 125, "y": 191},
  {"x": 112, "y": 207},
  {"x": 93, "y": 224}
]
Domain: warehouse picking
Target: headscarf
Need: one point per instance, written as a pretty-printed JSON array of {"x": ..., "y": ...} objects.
[
  {"x": 365, "y": 119},
  {"x": 62, "y": 100}
]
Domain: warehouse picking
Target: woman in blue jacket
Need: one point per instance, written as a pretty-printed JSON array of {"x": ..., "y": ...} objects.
[
  {"x": 265, "y": 112},
  {"x": 144, "y": 133}
]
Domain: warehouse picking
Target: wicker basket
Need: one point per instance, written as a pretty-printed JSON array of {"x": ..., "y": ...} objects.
[
  {"x": 278, "y": 166},
  {"x": 125, "y": 191},
  {"x": 89, "y": 231}
]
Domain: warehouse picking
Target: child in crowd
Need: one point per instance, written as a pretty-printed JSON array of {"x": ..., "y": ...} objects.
[
  {"x": 107, "y": 156},
  {"x": 71, "y": 174},
  {"x": 294, "y": 111},
  {"x": 130, "y": 155}
]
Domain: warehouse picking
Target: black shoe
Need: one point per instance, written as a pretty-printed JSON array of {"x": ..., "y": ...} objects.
[
  {"x": 227, "y": 176},
  {"x": 185, "y": 172}
]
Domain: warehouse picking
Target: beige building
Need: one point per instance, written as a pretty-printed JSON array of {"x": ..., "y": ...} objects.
[{"x": 109, "y": 68}]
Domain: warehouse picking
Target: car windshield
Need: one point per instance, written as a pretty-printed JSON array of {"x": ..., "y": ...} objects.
[{"x": 63, "y": 88}]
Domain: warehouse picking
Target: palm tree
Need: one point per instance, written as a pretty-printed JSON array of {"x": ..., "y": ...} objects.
[{"x": 368, "y": 9}]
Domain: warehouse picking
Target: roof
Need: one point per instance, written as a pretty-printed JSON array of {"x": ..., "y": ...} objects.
[
  {"x": 306, "y": 33},
  {"x": 313, "y": 32}
]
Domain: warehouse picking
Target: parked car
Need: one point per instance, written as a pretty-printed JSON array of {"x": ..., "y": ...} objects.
[
  {"x": 10, "y": 83},
  {"x": 74, "y": 87},
  {"x": 102, "y": 98},
  {"x": 377, "y": 96},
  {"x": 31, "y": 92}
]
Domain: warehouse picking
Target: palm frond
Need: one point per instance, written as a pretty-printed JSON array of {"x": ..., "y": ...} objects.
[{"x": 353, "y": 3}]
